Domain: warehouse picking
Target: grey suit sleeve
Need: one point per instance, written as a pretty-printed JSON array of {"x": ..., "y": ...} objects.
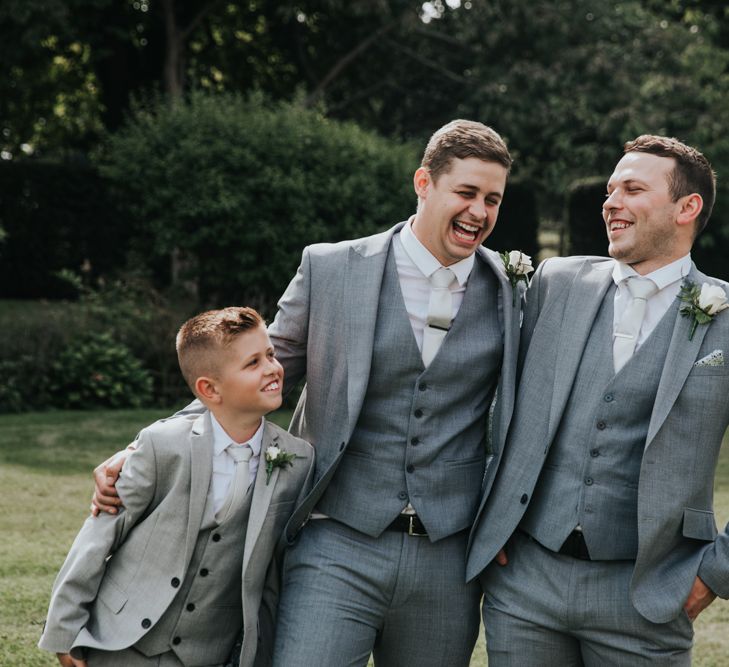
[
  {"x": 714, "y": 568},
  {"x": 289, "y": 330},
  {"x": 78, "y": 581}
]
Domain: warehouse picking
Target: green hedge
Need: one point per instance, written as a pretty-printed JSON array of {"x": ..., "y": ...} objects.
[
  {"x": 234, "y": 188},
  {"x": 518, "y": 224},
  {"x": 55, "y": 216}
]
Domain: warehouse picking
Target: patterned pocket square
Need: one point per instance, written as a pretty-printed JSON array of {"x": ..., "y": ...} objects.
[{"x": 716, "y": 358}]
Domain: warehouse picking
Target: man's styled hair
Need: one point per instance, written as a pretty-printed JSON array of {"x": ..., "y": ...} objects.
[
  {"x": 202, "y": 338},
  {"x": 463, "y": 139},
  {"x": 692, "y": 173}
]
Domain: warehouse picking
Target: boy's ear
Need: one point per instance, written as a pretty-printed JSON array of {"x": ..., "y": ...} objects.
[{"x": 207, "y": 389}]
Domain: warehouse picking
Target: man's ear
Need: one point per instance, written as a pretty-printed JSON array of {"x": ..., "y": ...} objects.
[
  {"x": 691, "y": 206},
  {"x": 422, "y": 182},
  {"x": 207, "y": 389}
]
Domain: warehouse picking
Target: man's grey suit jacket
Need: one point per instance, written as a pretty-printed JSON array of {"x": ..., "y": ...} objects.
[
  {"x": 324, "y": 331},
  {"x": 164, "y": 486},
  {"x": 677, "y": 532}
]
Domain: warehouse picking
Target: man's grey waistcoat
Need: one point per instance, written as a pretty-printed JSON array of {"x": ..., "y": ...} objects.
[
  {"x": 677, "y": 535},
  {"x": 420, "y": 434},
  {"x": 591, "y": 473},
  {"x": 325, "y": 330}
]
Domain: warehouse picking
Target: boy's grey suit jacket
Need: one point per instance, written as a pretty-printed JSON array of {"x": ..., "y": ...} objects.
[
  {"x": 101, "y": 604},
  {"x": 324, "y": 331},
  {"x": 677, "y": 532}
]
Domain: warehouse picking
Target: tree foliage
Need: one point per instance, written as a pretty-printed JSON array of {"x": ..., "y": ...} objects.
[{"x": 251, "y": 181}]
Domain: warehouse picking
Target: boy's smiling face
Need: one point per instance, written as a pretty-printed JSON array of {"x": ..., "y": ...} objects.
[{"x": 249, "y": 379}]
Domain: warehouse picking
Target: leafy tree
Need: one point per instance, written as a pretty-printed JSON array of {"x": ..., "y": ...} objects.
[{"x": 252, "y": 182}]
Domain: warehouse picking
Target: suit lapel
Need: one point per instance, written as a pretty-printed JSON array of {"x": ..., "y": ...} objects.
[
  {"x": 682, "y": 353},
  {"x": 509, "y": 316},
  {"x": 262, "y": 494},
  {"x": 362, "y": 283},
  {"x": 583, "y": 303},
  {"x": 201, "y": 461}
]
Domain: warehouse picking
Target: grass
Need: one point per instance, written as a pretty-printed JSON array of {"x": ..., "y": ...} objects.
[{"x": 45, "y": 465}]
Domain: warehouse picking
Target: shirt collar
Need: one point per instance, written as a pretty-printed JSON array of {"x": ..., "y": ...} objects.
[
  {"x": 221, "y": 439},
  {"x": 424, "y": 260},
  {"x": 662, "y": 277}
]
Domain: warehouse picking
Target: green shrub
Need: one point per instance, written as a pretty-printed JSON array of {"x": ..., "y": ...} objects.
[
  {"x": 54, "y": 217},
  {"x": 96, "y": 371},
  {"x": 234, "y": 188}
]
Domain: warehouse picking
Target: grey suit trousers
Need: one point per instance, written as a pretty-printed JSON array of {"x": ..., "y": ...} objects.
[
  {"x": 402, "y": 598},
  {"x": 547, "y": 610}
]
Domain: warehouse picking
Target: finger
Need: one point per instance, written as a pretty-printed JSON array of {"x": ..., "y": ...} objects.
[
  {"x": 501, "y": 558},
  {"x": 105, "y": 503}
]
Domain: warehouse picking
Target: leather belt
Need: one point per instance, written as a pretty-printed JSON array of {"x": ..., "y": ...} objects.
[
  {"x": 410, "y": 524},
  {"x": 575, "y": 546}
]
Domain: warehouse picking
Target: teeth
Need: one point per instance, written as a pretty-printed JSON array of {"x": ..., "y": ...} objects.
[
  {"x": 271, "y": 387},
  {"x": 620, "y": 225},
  {"x": 468, "y": 228}
]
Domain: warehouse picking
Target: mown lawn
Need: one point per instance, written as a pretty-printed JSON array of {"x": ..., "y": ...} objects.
[{"x": 45, "y": 477}]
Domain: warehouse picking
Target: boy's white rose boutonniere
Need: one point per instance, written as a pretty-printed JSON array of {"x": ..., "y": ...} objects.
[
  {"x": 277, "y": 458},
  {"x": 518, "y": 266},
  {"x": 702, "y": 303}
]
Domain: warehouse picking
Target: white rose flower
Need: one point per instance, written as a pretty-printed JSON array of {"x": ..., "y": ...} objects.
[
  {"x": 272, "y": 453},
  {"x": 712, "y": 299},
  {"x": 521, "y": 263}
]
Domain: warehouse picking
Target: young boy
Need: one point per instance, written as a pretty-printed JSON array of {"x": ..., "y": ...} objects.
[{"x": 190, "y": 560}]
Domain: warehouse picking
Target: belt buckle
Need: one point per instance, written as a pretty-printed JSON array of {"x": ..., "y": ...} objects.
[{"x": 411, "y": 531}]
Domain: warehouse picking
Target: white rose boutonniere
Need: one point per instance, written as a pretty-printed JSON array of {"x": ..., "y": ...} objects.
[
  {"x": 518, "y": 266},
  {"x": 702, "y": 303},
  {"x": 277, "y": 458}
]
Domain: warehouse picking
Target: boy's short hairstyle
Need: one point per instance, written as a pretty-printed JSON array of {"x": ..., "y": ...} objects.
[
  {"x": 201, "y": 339},
  {"x": 462, "y": 139},
  {"x": 692, "y": 173}
]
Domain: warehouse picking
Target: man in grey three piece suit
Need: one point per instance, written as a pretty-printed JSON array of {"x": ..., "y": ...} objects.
[
  {"x": 400, "y": 439},
  {"x": 604, "y": 487}
]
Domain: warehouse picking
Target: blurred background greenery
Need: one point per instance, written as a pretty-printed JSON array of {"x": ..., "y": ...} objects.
[{"x": 158, "y": 157}]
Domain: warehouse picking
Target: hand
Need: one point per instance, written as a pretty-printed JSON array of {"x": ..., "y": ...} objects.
[
  {"x": 67, "y": 661},
  {"x": 700, "y": 597},
  {"x": 501, "y": 558},
  {"x": 105, "y": 498}
]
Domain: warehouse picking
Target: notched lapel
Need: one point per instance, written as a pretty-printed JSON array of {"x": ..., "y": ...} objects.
[
  {"x": 262, "y": 494},
  {"x": 362, "y": 283},
  {"x": 201, "y": 462},
  {"x": 586, "y": 295},
  {"x": 681, "y": 356}
]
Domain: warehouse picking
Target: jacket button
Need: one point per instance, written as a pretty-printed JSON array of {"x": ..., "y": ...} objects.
[
  {"x": 402, "y": 495},
  {"x": 415, "y": 441},
  {"x": 601, "y": 425},
  {"x": 176, "y": 641},
  {"x": 523, "y": 499},
  {"x": 204, "y": 572},
  {"x": 190, "y": 607},
  {"x": 418, "y": 413},
  {"x": 146, "y": 623},
  {"x": 410, "y": 468},
  {"x": 594, "y": 453},
  {"x": 175, "y": 582},
  {"x": 588, "y": 481},
  {"x": 216, "y": 537},
  {"x": 608, "y": 398}
]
